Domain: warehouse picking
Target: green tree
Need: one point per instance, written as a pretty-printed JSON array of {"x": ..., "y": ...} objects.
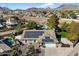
[
  {"x": 64, "y": 27},
  {"x": 73, "y": 15},
  {"x": 73, "y": 27},
  {"x": 15, "y": 49},
  {"x": 73, "y": 30},
  {"x": 15, "y": 17},
  {"x": 13, "y": 37},
  {"x": 64, "y": 14},
  {"x": 53, "y": 21},
  {"x": 31, "y": 50},
  {"x": 1, "y": 18},
  {"x": 14, "y": 52},
  {"x": 73, "y": 37},
  {"x": 31, "y": 25},
  {"x": 18, "y": 27}
]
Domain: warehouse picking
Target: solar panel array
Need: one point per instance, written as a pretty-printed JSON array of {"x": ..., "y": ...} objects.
[{"x": 33, "y": 34}]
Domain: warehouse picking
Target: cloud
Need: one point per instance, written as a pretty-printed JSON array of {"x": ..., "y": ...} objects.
[
  {"x": 46, "y": 5},
  {"x": 51, "y": 5}
]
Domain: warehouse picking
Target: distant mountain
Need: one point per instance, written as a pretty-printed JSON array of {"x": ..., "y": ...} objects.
[
  {"x": 67, "y": 7},
  {"x": 4, "y": 9},
  {"x": 63, "y": 7},
  {"x": 38, "y": 9}
]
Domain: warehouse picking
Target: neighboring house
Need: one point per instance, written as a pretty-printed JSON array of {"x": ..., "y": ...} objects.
[
  {"x": 46, "y": 36},
  {"x": 4, "y": 49},
  {"x": 11, "y": 22},
  {"x": 77, "y": 16},
  {"x": 45, "y": 27},
  {"x": 42, "y": 27},
  {"x": 1, "y": 23},
  {"x": 1, "y": 26}
]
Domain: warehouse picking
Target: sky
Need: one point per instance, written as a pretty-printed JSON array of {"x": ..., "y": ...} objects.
[{"x": 30, "y": 5}]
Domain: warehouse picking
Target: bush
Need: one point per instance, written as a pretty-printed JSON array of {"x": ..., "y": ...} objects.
[{"x": 63, "y": 34}]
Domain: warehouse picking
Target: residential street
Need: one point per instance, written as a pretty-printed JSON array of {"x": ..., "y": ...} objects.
[{"x": 75, "y": 51}]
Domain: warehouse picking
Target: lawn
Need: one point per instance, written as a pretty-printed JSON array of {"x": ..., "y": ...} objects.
[{"x": 63, "y": 34}]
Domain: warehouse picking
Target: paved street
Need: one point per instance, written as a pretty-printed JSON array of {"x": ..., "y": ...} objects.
[
  {"x": 75, "y": 51},
  {"x": 8, "y": 32}
]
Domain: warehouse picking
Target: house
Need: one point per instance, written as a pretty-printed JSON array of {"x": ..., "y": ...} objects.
[
  {"x": 11, "y": 22},
  {"x": 77, "y": 16},
  {"x": 4, "y": 49},
  {"x": 45, "y": 36}
]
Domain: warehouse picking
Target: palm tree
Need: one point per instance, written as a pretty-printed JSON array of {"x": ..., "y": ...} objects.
[
  {"x": 15, "y": 48},
  {"x": 18, "y": 28},
  {"x": 18, "y": 49},
  {"x": 53, "y": 21},
  {"x": 32, "y": 50}
]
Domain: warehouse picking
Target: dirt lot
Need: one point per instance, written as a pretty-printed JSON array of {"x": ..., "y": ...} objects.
[
  {"x": 44, "y": 20},
  {"x": 68, "y": 20},
  {"x": 35, "y": 19}
]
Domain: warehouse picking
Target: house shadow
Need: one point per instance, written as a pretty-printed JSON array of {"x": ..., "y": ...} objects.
[
  {"x": 58, "y": 38},
  {"x": 57, "y": 29}
]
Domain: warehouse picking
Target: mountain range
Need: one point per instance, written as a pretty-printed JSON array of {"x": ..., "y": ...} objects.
[
  {"x": 62, "y": 7},
  {"x": 4, "y": 9}
]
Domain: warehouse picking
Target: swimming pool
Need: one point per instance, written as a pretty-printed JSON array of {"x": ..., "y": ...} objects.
[{"x": 8, "y": 41}]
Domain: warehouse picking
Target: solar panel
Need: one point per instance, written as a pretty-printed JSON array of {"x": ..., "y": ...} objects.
[
  {"x": 47, "y": 40},
  {"x": 33, "y": 34}
]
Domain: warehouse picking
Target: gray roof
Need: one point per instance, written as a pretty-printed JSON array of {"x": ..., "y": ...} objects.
[
  {"x": 1, "y": 25},
  {"x": 4, "y": 47}
]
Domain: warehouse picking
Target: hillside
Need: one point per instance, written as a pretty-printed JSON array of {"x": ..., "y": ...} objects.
[
  {"x": 4, "y": 9},
  {"x": 68, "y": 7}
]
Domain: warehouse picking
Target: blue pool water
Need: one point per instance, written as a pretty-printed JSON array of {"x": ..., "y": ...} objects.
[{"x": 8, "y": 41}]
